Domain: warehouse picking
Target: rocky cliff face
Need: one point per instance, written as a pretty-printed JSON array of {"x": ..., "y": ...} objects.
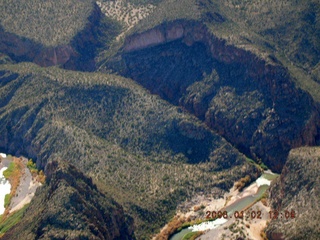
[
  {"x": 22, "y": 49},
  {"x": 297, "y": 189},
  {"x": 251, "y": 101},
  {"x": 79, "y": 54},
  {"x": 70, "y": 206}
]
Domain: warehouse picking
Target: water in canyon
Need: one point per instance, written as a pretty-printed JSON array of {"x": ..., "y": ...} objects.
[{"x": 263, "y": 182}]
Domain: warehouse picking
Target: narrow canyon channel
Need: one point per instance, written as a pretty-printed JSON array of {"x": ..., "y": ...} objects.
[{"x": 263, "y": 182}]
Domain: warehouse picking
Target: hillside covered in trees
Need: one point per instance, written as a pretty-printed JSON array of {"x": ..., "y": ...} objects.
[{"x": 156, "y": 101}]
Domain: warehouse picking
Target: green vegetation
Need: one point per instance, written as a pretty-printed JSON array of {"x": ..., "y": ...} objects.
[
  {"x": 177, "y": 224},
  {"x": 262, "y": 27},
  {"x": 13, "y": 174},
  {"x": 121, "y": 136},
  {"x": 261, "y": 164},
  {"x": 39, "y": 174},
  {"x": 243, "y": 182},
  {"x": 31, "y": 165},
  {"x": 86, "y": 211},
  {"x": 302, "y": 169},
  {"x": 185, "y": 225},
  {"x": 9, "y": 171},
  {"x": 7, "y": 199},
  {"x": 199, "y": 80},
  {"x": 250, "y": 160},
  {"x": 302, "y": 77},
  {"x": 285, "y": 29},
  {"x": 169, "y": 10},
  {"x": 138, "y": 2},
  {"x": 235, "y": 229},
  {"x": 192, "y": 235},
  {"x": 11, "y": 220},
  {"x": 138, "y": 148},
  {"x": 273, "y": 20},
  {"x": 51, "y": 23}
]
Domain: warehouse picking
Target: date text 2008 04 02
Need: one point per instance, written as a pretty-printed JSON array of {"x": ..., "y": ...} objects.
[{"x": 252, "y": 214}]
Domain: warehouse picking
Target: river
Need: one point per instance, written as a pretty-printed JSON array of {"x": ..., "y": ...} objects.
[{"x": 263, "y": 182}]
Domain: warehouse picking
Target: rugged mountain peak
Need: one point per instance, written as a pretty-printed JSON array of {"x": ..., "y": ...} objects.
[{"x": 70, "y": 206}]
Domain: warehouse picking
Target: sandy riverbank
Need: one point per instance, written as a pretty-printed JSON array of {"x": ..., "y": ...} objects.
[
  {"x": 247, "y": 228},
  {"x": 251, "y": 226},
  {"x": 27, "y": 184},
  {"x": 25, "y": 191},
  {"x": 193, "y": 209},
  {"x": 212, "y": 204},
  {"x": 231, "y": 227}
]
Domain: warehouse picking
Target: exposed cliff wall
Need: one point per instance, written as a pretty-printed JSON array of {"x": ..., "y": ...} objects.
[
  {"x": 252, "y": 102},
  {"x": 297, "y": 189},
  {"x": 79, "y": 54},
  {"x": 22, "y": 49},
  {"x": 70, "y": 206}
]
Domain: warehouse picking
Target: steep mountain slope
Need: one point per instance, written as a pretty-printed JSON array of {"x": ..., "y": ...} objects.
[
  {"x": 297, "y": 189},
  {"x": 47, "y": 21},
  {"x": 67, "y": 33},
  {"x": 147, "y": 153},
  {"x": 291, "y": 27},
  {"x": 233, "y": 69},
  {"x": 286, "y": 30},
  {"x": 250, "y": 100},
  {"x": 289, "y": 30},
  {"x": 69, "y": 206}
]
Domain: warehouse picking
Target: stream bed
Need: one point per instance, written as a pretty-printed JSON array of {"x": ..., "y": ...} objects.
[{"x": 263, "y": 182}]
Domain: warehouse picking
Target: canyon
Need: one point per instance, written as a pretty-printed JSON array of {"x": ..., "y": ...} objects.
[
  {"x": 250, "y": 100},
  {"x": 177, "y": 105}
]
